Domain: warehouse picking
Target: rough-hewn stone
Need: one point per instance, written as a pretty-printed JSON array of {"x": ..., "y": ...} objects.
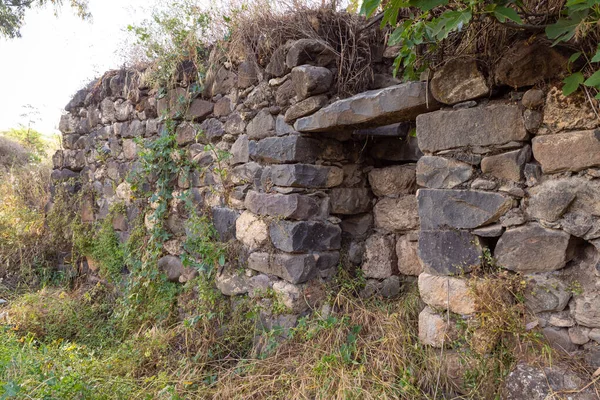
[
  {"x": 251, "y": 230},
  {"x": 393, "y": 181},
  {"x": 305, "y": 175},
  {"x": 397, "y": 215},
  {"x": 293, "y": 206},
  {"x": 567, "y": 113},
  {"x": 305, "y": 107},
  {"x": 586, "y": 309},
  {"x": 460, "y": 209},
  {"x": 480, "y": 126},
  {"x": 457, "y": 81},
  {"x": 350, "y": 201},
  {"x": 407, "y": 252},
  {"x": 442, "y": 173},
  {"x": 449, "y": 252},
  {"x": 261, "y": 126},
  {"x": 376, "y": 107},
  {"x": 447, "y": 293},
  {"x": 309, "y": 51},
  {"x": 287, "y": 149},
  {"x": 304, "y": 236},
  {"x": 569, "y": 151},
  {"x": 507, "y": 166},
  {"x": 434, "y": 329},
  {"x": 309, "y": 80},
  {"x": 240, "y": 151},
  {"x": 199, "y": 109},
  {"x": 546, "y": 293},
  {"x": 550, "y": 200},
  {"x": 357, "y": 226},
  {"x": 380, "y": 257},
  {"x": 294, "y": 268},
  {"x": 223, "y": 220},
  {"x": 533, "y": 248},
  {"x": 174, "y": 269}
]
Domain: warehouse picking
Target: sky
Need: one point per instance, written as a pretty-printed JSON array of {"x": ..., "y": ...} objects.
[{"x": 56, "y": 56}]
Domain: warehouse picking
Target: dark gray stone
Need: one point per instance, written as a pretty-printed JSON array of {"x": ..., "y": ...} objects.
[
  {"x": 495, "y": 230},
  {"x": 310, "y": 51},
  {"x": 276, "y": 66},
  {"x": 350, "y": 200},
  {"x": 546, "y": 293},
  {"x": 212, "y": 129},
  {"x": 234, "y": 124},
  {"x": 357, "y": 227},
  {"x": 442, "y": 173},
  {"x": 247, "y": 74},
  {"x": 507, "y": 166},
  {"x": 551, "y": 200},
  {"x": 287, "y": 149},
  {"x": 449, "y": 252},
  {"x": 460, "y": 209},
  {"x": 305, "y": 175},
  {"x": 309, "y": 80},
  {"x": 305, "y": 107},
  {"x": 533, "y": 248},
  {"x": 293, "y": 206},
  {"x": 479, "y": 126},
  {"x": 294, "y": 268},
  {"x": 386, "y": 106},
  {"x": 396, "y": 149},
  {"x": 240, "y": 150},
  {"x": 186, "y": 133},
  {"x": 261, "y": 126},
  {"x": 223, "y": 220},
  {"x": 304, "y": 236},
  {"x": 199, "y": 109}
]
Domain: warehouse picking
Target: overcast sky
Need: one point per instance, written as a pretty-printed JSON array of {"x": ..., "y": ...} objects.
[{"x": 57, "y": 56}]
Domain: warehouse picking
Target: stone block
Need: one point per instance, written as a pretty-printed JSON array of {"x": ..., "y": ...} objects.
[
  {"x": 251, "y": 230},
  {"x": 449, "y": 252},
  {"x": 305, "y": 107},
  {"x": 550, "y": 200},
  {"x": 240, "y": 150},
  {"x": 287, "y": 149},
  {"x": 447, "y": 293},
  {"x": 407, "y": 253},
  {"x": 199, "y": 109},
  {"x": 294, "y": 268},
  {"x": 375, "y": 107},
  {"x": 546, "y": 293},
  {"x": 348, "y": 201},
  {"x": 211, "y": 130},
  {"x": 434, "y": 329},
  {"x": 479, "y": 126},
  {"x": 292, "y": 206},
  {"x": 305, "y": 236},
  {"x": 442, "y": 173},
  {"x": 305, "y": 176},
  {"x": 396, "y": 149},
  {"x": 508, "y": 166},
  {"x": 357, "y": 226},
  {"x": 224, "y": 220},
  {"x": 569, "y": 151},
  {"x": 309, "y": 51},
  {"x": 174, "y": 269},
  {"x": 586, "y": 309},
  {"x": 460, "y": 209},
  {"x": 397, "y": 215},
  {"x": 380, "y": 257},
  {"x": 186, "y": 133},
  {"x": 393, "y": 181},
  {"x": 261, "y": 126},
  {"x": 457, "y": 81},
  {"x": 309, "y": 80},
  {"x": 533, "y": 248}
]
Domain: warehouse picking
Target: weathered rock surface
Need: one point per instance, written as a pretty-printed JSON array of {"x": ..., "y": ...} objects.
[
  {"x": 294, "y": 268},
  {"x": 434, "y": 329},
  {"x": 261, "y": 126},
  {"x": 546, "y": 293},
  {"x": 305, "y": 236},
  {"x": 287, "y": 149},
  {"x": 586, "y": 309},
  {"x": 240, "y": 151},
  {"x": 447, "y": 293},
  {"x": 357, "y": 226},
  {"x": 397, "y": 215},
  {"x": 380, "y": 257},
  {"x": 293, "y": 206},
  {"x": 381, "y": 107},
  {"x": 305, "y": 107},
  {"x": 480, "y": 126},
  {"x": 442, "y": 173},
  {"x": 224, "y": 220},
  {"x": 557, "y": 152},
  {"x": 393, "y": 181},
  {"x": 551, "y": 200},
  {"x": 251, "y": 230},
  {"x": 174, "y": 269},
  {"x": 533, "y": 248},
  {"x": 566, "y": 113},
  {"x": 305, "y": 175},
  {"x": 309, "y": 51},
  {"x": 458, "y": 81},
  {"x": 199, "y": 109},
  {"x": 407, "y": 253},
  {"x": 507, "y": 166},
  {"x": 348, "y": 201},
  {"x": 449, "y": 252},
  {"x": 309, "y": 80},
  {"x": 460, "y": 209}
]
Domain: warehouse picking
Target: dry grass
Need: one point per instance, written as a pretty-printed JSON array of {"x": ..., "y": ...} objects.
[{"x": 12, "y": 154}]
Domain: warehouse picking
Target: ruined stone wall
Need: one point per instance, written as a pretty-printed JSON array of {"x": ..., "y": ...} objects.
[{"x": 315, "y": 182}]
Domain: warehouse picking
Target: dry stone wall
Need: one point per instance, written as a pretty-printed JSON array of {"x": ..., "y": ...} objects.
[{"x": 315, "y": 182}]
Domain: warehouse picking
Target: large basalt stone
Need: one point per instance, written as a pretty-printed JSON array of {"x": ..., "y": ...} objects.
[
  {"x": 305, "y": 107},
  {"x": 199, "y": 109},
  {"x": 310, "y": 51},
  {"x": 586, "y": 309},
  {"x": 310, "y": 80},
  {"x": 357, "y": 226},
  {"x": 186, "y": 133},
  {"x": 261, "y": 126},
  {"x": 460, "y": 209},
  {"x": 287, "y": 149},
  {"x": 407, "y": 252},
  {"x": 212, "y": 130},
  {"x": 480, "y": 126},
  {"x": 276, "y": 66},
  {"x": 533, "y": 248},
  {"x": 224, "y": 220},
  {"x": 305, "y": 175},
  {"x": 458, "y": 81},
  {"x": 569, "y": 151},
  {"x": 305, "y": 236},
  {"x": 240, "y": 150},
  {"x": 397, "y": 215},
  {"x": 293, "y": 206},
  {"x": 435, "y": 330},
  {"x": 550, "y": 200},
  {"x": 442, "y": 173},
  {"x": 393, "y": 181},
  {"x": 546, "y": 293},
  {"x": 247, "y": 74},
  {"x": 447, "y": 293},
  {"x": 375, "y": 107},
  {"x": 294, "y": 268},
  {"x": 380, "y": 257},
  {"x": 350, "y": 201},
  {"x": 449, "y": 252},
  {"x": 508, "y": 166},
  {"x": 526, "y": 64}
]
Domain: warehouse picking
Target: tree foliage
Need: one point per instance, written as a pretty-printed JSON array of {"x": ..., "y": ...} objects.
[
  {"x": 419, "y": 24},
  {"x": 12, "y": 13}
]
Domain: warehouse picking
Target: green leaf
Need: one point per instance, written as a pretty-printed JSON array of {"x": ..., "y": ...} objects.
[
  {"x": 426, "y": 5},
  {"x": 593, "y": 80},
  {"x": 596, "y": 57},
  {"x": 578, "y": 5},
  {"x": 504, "y": 13},
  {"x": 564, "y": 29},
  {"x": 597, "y": 96},
  {"x": 574, "y": 57},
  {"x": 572, "y": 82},
  {"x": 449, "y": 21},
  {"x": 369, "y": 7}
]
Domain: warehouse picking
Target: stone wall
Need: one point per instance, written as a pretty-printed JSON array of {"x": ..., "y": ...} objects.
[{"x": 315, "y": 182}]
